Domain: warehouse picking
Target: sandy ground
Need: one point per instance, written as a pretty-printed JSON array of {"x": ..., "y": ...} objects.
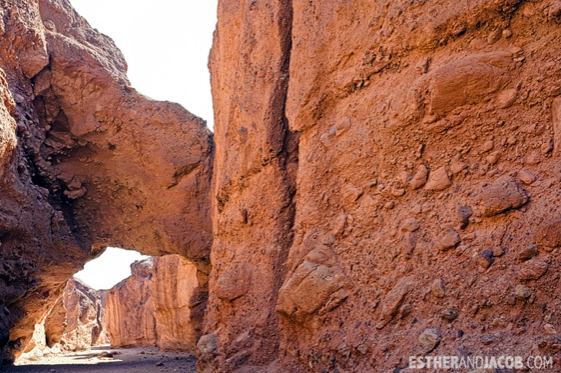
[{"x": 123, "y": 360}]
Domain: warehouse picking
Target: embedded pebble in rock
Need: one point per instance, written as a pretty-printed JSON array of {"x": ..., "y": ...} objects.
[
  {"x": 352, "y": 193},
  {"x": 420, "y": 178},
  {"x": 493, "y": 157},
  {"x": 410, "y": 225},
  {"x": 389, "y": 205},
  {"x": 404, "y": 178},
  {"x": 534, "y": 158},
  {"x": 438, "y": 180},
  {"x": 464, "y": 213},
  {"x": 498, "y": 251},
  {"x": 485, "y": 259},
  {"x": 408, "y": 244},
  {"x": 503, "y": 194},
  {"x": 429, "y": 339},
  {"x": 417, "y": 209},
  {"x": 526, "y": 177},
  {"x": 507, "y": 33},
  {"x": 488, "y": 146},
  {"x": 449, "y": 315},
  {"x": 494, "y": 36},
  {"x": 522, "y": 292},
  {"x": 548, "y": 234},
  {"x": 398, "y": 192},
  {"x": 528, "y": 253},
  {"x": 507, "y": 98},
  {"x": 437, "y": 288},
  {"x": 532, "y": 270},
  {"x": 448, "y": 239},
  {"x": 549, "y": 329},
  {"x": 546, "y": 147},
  {"x": 457, "y": 166}
]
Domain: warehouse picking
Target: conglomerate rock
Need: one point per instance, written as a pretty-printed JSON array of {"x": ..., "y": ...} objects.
[
  {"x": 386, "y": 183},
  {"x": 85, "y": 162}
]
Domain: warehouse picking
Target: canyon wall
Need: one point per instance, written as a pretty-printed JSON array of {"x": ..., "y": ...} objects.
[
  {"x": 386, "y": 183},
  {"x": 85, "y": 162},
  {"x": 129, "y": 308},
  {"x": 179, "y": 292},
  {"x": 83, "y": 313},
  {"x": 161, "y": 304},
  {"x": 76, "y": 323}
]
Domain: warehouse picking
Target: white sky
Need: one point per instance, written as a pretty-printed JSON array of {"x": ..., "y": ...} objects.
[
  {"x": 109, "y": 269},
  {"x": 166, "y": 44}
]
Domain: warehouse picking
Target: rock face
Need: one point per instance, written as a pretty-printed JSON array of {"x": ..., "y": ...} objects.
[
  {"x": 84, "y": 161},
  {"x": 178, "y": 303},
  {"x": 130, "y": 309},
  {"x": 337, "y": 123},
  {"x": 76, "y": 323},
  {"x": 85, "y": 319},
  {"x": 161, "y": 304}
]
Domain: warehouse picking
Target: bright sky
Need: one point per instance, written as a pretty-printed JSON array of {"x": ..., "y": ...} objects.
[
  {"x": 109, "y": 269},
  {"x": 166, "y": 44}
]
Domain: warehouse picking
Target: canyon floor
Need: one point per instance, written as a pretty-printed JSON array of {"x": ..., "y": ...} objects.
[{"x": 99, "y": 359}]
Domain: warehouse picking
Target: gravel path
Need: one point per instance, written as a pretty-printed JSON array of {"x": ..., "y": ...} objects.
[{"x": 102, "y": 360}]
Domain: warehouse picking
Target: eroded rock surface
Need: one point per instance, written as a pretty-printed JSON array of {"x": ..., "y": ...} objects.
[
  {"x": 85, "y": 162},
  {"x": 162, "y": 304},
  {"x": 428, "y": 163},
  {"x": 179, "y": 294},
  {"x": 76, "y": 323},
  {"x": 130, "y": 309}
]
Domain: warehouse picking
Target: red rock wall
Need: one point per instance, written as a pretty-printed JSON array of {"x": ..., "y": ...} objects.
[
  {"x": 426, "y": 199},
  {"x": 177, "y": 303},
  {"x": 253, "y": 187},
  {"x": 76, "y": 323},
  {"x": 130, "y": 309},
  {"x": 162, "y": 304}
]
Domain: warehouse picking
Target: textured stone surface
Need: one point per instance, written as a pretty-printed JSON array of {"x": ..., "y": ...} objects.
[
  {"x": 336, "y": 122},
  {"x": 438, "y": 111},
  {"x": 129, "y": 308},
  {"x": 162, "y": 304},
  {"x": 178, "y": 297},
  {"x": 85, "y": 161},
  {"x": 75, "y": 323}
]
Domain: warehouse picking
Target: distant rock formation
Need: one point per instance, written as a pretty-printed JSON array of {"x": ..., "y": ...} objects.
[
  {"x": 160, "y": 304},
  {"x": 76, "y": 323},
  {"x": 178, "y": 303},
  {"x": 130, "y": 308}
]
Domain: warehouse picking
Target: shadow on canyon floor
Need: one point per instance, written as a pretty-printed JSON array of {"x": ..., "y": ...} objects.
[{"x": 123, "y": 361}]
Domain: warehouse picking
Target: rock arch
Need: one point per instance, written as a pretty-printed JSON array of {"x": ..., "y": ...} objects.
[{"x": 86, "y": 162}]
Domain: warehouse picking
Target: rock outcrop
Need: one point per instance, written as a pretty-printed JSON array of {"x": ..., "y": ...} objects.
[
  {"x": 385, "y": 183},
  {"x": 179, "y": 294},
  {"x": 162, "y": 304},
  {"x": 130, "y": 309},
  {"x": 85, "y": 319},
  {"x": 76, "y": 323},
  {"x": 85, "y": 162}
]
